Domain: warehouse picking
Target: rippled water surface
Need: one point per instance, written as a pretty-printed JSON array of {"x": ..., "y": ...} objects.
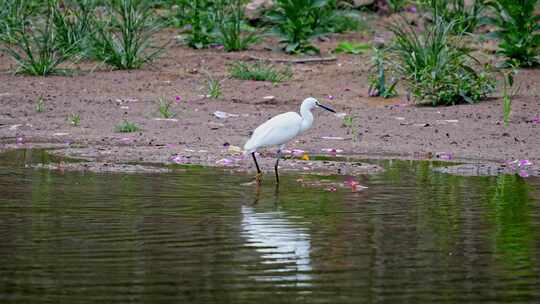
[{"x": 203, "y": 236}]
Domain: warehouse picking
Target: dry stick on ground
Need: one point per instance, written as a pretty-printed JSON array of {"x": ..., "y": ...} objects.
[{"x": 300, "y": 60}]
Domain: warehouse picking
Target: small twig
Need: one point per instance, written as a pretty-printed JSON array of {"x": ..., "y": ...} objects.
[{"x": 299, "y": 60}]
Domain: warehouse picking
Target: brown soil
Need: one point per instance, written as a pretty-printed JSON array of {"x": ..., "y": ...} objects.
[{"x": 384, "y": 127}]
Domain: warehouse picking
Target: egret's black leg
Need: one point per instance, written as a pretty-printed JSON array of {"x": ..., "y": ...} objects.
[
  {"x": 259, "y": 173},
  {"x": 276, "y": 166}
]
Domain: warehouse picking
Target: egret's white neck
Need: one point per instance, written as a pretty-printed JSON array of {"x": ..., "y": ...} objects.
[{"x": 307, "y": 117}]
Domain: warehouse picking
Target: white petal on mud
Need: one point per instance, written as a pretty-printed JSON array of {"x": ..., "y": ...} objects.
[
  {"x": 269, "y": 97},
  {"x": 333, "y": 138},
  {"x": 224, "y": 115},
  {"x": 14, "y": 127},
  {"x": 60, "y": 134},
  {"x": 166, "y": 119},
  {"x": 340, "y": 115},
  {"x": 399, "y": 118}
]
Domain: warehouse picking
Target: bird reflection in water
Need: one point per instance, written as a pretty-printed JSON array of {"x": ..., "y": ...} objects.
[{"x": 282, "y": 243}]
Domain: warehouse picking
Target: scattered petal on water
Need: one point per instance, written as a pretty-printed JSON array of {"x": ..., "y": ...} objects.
[
  {"x": 178, "y": 98},
  {"x": 536, "y": 120},
  {"x": 20, "y": 140},
  {"x": 170, "y": 146},
  {"x": 331, "y": 97}
]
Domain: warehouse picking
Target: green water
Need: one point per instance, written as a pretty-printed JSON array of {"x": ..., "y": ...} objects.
[{"x": 203, "y": 236}]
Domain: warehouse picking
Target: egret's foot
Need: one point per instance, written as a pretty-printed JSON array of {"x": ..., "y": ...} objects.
[{"x": 258, "y": 178}]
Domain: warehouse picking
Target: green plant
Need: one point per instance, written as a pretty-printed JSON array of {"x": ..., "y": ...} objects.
[
  {"x": 296, "y": 22},
  {"x": 165, "y": 108},
  {"x": 259, "y": 72},
  {"x": 352, "y": 47},
  {"x": 40, "y": 105},
  {"x": 397, "y": 5},
  {"x": 348, "y": 122},
  {"x": 75, "y": 119},
  {"x": 201, "y": 16},
  {"x": 508, "y": 93},
  {"x": 125, "y": 39},
  {"x": 14, "y": 15},
  {"x": 517, "y": 29},
  {"x": 465, "y": 16},
  {"x": 377, "y": 79},
  {"x": 73, "y": 24},
  {"x": 231, "y": 26},
  {"x": 214, "y": 87},
  {"x": 35, "y": 46},
  {"x": 334, "y": 19},
  {"x": 436, "y": 66},
  {"x": 127, "y": 127}
]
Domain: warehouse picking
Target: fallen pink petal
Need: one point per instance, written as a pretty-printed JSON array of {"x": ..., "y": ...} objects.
[
  {"x": 332, "y": 151},
  {"x": 178, "y": 159},
  {"x": 297, "y": 152},
  {"x": 445, "y": 156},
  {"x": 523, "y": 173},
  {"x": 524, "y": 163},
  {"x": 225, "y": 162}
]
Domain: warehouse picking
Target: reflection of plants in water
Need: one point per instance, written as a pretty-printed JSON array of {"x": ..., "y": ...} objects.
[{"x": 513, "y": 232}]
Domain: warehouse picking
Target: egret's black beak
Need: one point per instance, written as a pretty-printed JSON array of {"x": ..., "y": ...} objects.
[{"x": 326, "y": 108}]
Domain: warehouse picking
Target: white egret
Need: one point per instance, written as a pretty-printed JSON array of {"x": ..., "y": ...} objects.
[{"x": 280, "y": 129}]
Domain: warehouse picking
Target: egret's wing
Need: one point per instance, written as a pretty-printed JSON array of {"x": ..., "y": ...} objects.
[{"x": 278, "y": 130}]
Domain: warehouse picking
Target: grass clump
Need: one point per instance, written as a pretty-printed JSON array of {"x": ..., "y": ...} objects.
[
  {"x": 165, "y": 108},
  {"x": 231, "y": 26},
  {"x": 517, "y": 29},
  {"x": 465, "y": 16},
  {"x": 73, "y": 24},
  {"x": 75, "y": 119},
  {"x": 436, "y": 67},
  {"x": 259, "y": 72},
  {"x": 126, "y": 127},
  {"x": 377, "y": 79},
  {"x": 214, "y": 87},
  {"x": 40, "y": 105},
  {"x": 124, "y": 39},
  {"x": 508, "y": 92},
  {"x": 34, "y": 44}
]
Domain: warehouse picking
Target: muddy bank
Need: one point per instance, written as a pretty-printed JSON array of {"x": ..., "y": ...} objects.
[{"x": 381, "y": 127}]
